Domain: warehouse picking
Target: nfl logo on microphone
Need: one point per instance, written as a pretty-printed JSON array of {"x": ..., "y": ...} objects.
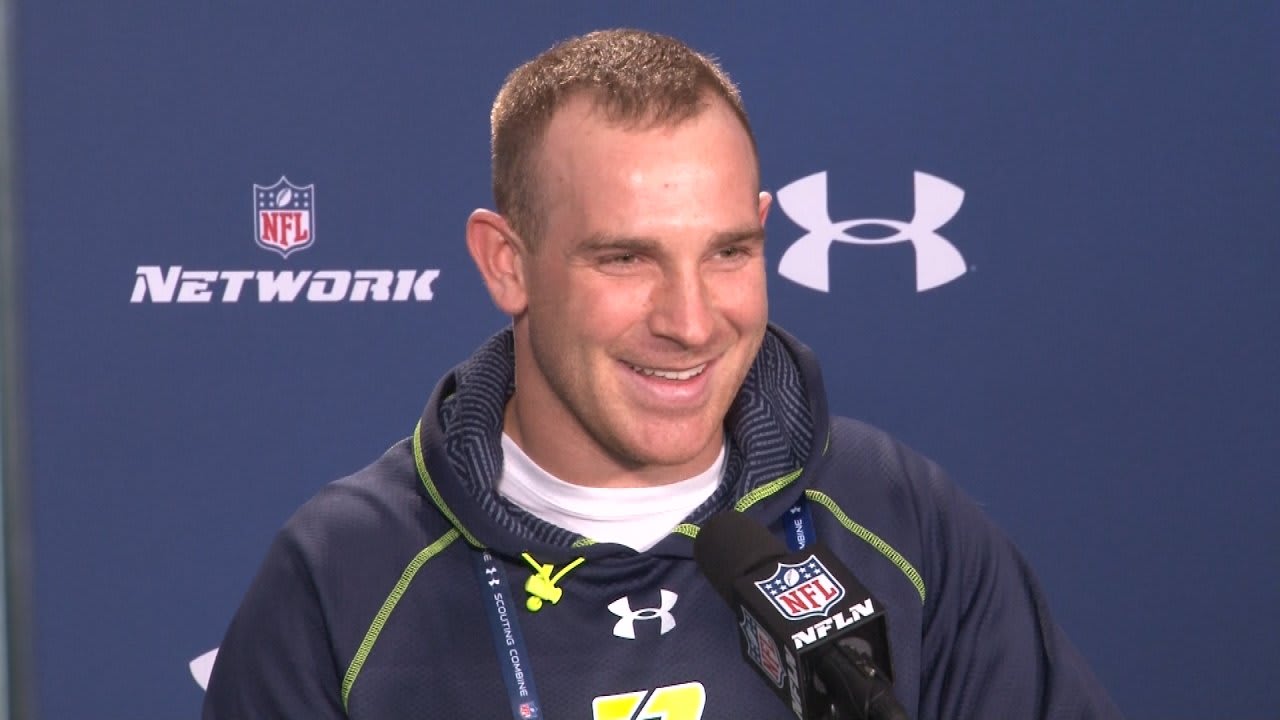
[
  {"x": 761, "y": 648},
  {"x": 801, "y": 590},
  {"x": 284, "y": 216}
]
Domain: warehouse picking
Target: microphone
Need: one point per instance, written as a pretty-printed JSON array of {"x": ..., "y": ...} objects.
[{"x": 811, "y": 630}]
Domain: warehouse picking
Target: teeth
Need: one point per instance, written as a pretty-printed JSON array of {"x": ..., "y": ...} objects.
[{"x": 671, "y": 374}]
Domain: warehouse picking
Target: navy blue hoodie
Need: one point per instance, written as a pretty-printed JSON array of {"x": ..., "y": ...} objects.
[{"x": 399, "y": 592}]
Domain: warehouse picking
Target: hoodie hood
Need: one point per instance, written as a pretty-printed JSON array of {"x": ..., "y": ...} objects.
[{"x": 771, "y": 426}]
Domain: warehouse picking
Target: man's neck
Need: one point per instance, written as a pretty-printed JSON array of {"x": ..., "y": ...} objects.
[
  {"x": 585, "y": 462},
  {"x": 636, "y": 517}
]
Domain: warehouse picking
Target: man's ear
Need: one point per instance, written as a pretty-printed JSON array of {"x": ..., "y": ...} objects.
[
  {"x": 498, "y": 254},
  {"x": 766, "y": 200}
]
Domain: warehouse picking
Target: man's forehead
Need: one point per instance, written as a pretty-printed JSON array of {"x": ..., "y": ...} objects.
[
  {"x": 580, "y": 166},
  {"x": 583, "y": 134}
]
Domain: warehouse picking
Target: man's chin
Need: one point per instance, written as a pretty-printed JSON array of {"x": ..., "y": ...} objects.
[{"x": 674, "y": 452}]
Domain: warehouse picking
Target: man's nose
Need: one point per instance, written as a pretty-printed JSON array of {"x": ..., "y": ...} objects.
[{"x": 681, "y": 308}]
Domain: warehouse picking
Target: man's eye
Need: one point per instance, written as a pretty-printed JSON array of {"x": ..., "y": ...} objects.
[{"x": 620, "y": 259}]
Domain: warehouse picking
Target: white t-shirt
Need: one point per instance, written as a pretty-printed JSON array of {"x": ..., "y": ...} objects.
[{"x": 635, "y": 517}]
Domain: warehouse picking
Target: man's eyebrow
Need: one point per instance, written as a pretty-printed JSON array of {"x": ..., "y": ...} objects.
[
  {"x": 753, "y": 234},
  {"x": 604, "y": 242}
]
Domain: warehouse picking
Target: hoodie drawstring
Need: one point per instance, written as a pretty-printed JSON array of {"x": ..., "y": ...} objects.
[{"x": 541, "y": 586}]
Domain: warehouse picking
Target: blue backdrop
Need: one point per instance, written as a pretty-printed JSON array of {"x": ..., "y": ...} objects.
[{"x": 1102, "y": 376}]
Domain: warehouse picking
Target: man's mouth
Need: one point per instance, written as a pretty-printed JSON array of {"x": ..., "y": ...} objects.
[{"x": 670, "y": 374}]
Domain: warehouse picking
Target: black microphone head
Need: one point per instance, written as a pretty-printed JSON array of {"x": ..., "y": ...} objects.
[
  {"x": 807, "y": 625},
  {"x": 729, "y": 545}
]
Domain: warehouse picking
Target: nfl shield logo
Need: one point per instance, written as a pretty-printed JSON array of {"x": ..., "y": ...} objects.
[
  {"x": 528, "y": 710},
  {"x": 761, "y": 649},
  {"x": 284, "y": 216},
  {"x": 802, "y": 590}
]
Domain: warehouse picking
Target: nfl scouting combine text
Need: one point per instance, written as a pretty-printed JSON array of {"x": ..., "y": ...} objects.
[{"x": 284, "y": 221}]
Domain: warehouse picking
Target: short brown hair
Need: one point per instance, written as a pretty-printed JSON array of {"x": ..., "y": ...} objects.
[{"x": 634, "y": 77}]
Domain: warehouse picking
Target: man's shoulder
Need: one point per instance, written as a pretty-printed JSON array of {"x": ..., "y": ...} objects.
[
  {"x": 892, "y": 489},
  {"x": 875, "y": 456},
  {"x": 911, "y": 503},
  {"x": 379, "y": 506}
]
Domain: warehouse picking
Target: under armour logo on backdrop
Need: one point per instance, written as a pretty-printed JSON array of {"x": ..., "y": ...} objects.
[
  {"x": 626, "y": 627},
  {"x": 936, "y": 201},
  {"x": 202, "y": 668}
]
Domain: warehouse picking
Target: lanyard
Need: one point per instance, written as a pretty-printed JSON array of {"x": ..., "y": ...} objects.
[
  {"x": 501, "y": 606},
  {"x": 797, "y": 526}
]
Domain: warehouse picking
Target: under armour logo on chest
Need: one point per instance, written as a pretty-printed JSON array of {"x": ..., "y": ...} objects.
[{"x": 626, "y": 626}]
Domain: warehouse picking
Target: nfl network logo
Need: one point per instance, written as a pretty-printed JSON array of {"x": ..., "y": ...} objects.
[
  {"x": 938, "y": 262},
  {"x": 802, "y": 590},
  {"x": 284, "y": 222},
  {"x": 284, "y": 216}
]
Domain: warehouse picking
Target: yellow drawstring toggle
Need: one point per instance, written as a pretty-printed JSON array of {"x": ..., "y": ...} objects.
[{"x": 541, "y": 586}]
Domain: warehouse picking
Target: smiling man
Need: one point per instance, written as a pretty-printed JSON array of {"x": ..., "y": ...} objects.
[{"x": 527, "y": 552}]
